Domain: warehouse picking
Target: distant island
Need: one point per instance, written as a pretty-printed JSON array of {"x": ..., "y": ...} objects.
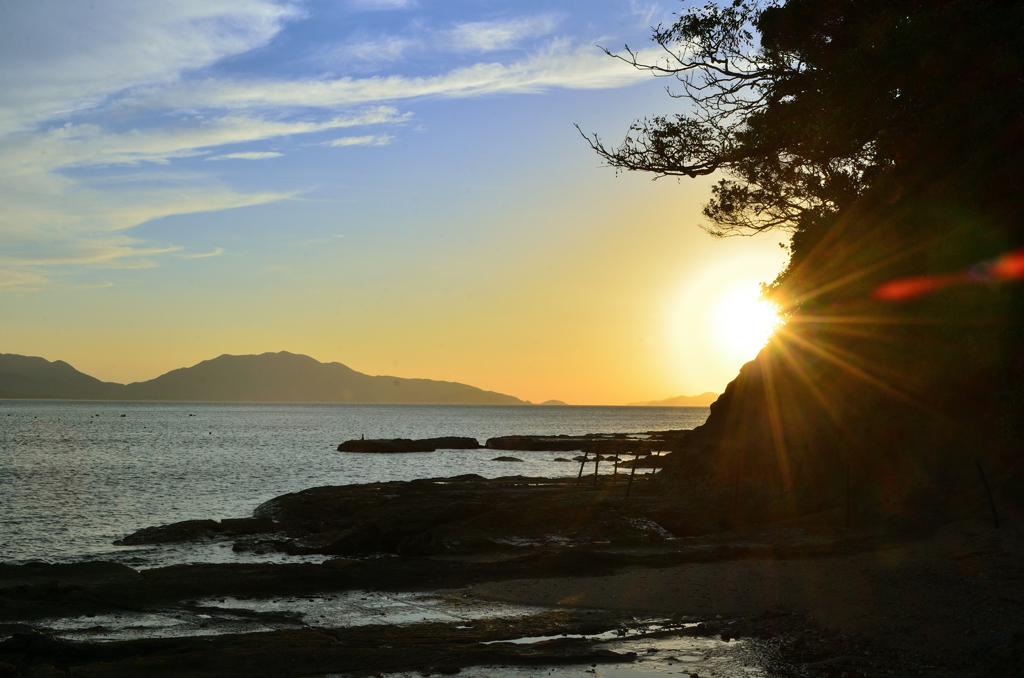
[
  {"x": 271, "y": 377},
  {"x": 702, "y": 400}
]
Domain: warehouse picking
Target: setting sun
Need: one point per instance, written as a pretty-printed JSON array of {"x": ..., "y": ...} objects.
[{"x": 743, "y": 323}]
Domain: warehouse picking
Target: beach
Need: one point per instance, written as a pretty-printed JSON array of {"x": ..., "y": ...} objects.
[
  {"x": 798, "y": 597},
  {"x": 943, "y": 598}
]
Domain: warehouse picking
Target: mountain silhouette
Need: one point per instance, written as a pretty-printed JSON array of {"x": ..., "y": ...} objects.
[
  {"x": 27, "y": 377},
  {"x": 270, "y": 377}
]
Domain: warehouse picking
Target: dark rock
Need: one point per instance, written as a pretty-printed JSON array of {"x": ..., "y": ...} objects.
[
  {"x": 393, "y": 446},
  {"x": 188, "y": 530},
  {"x": 67, "y": 572},
  {"x": 194, "y": 530},
  {"x": 561, "y": 459},
  {"x": 454, "y": 443},
  {"x": 34, "y": 643},
  {"x": 458, "y": 515},
  {"x": 403, "y": 445},
  {"x": 249, "y": 526},
  {"x": 539, "y": 443},
  {"x": 361, "y": 650},
  {"x": 506, "y": 459},
  {"x": 260, "y": 546}
]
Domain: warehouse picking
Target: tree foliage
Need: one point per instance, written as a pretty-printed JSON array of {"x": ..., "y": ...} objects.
[
  {"x": 887, "y": 137},
  {"x": 807, "y": 105}
]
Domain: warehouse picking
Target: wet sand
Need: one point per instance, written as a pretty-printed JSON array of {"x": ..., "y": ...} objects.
[{"x": 955, "y": 594}]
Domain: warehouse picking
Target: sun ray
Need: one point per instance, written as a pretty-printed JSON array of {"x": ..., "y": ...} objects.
[
  {"x": 848, "y": 367},
  {"x": 775, "y": 420},
  {"x": 805, "y": 378}
]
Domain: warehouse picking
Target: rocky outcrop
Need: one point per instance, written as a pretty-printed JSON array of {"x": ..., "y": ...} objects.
[
  {"x": 538, "y": 443},
  {"x": 197, "y": 530},
  {"x": 450, "y": 515},
  {"x": 188, "y": 530},
  {"x": 402, "y": 445},
  {"x": 900, "y": 418},
  {"x": 556, "y": 443}
]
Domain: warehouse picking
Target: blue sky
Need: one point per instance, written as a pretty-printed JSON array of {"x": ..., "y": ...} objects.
[{"x": 393, "y": 184}]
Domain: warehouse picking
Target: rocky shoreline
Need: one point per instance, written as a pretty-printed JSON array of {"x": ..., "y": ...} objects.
[{"x": 589, "y": 554}]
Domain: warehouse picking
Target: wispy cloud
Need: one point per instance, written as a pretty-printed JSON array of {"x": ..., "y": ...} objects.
[
  {"x": 25, "y": 268},
  {"x": 47, "y": 207},
  {"x": 490, "y": 36},
  {"x": 558, "y": 66},
  {"x": 89, "y": 145},
  {"x": 21, "y": 280},
  {"x": 44, "y": 207},
  {"x": 384, "y": 49},
  {"x": 217, "y": 251},
  {"x": 256, "y": 155},
  {"x": 66, "y": 225},
  {"x": 53, "y": 66},
  {"x": 381, "y": 4},
  {"x": 115, "y": 251},
  {"x": 70, "y": 104},
  {"x": 470, "y": 37},
  {"x": 645, "y": 10},
  {"x": 368, "y": 140}
]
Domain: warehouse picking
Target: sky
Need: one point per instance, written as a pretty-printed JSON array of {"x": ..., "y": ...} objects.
[{"x": 396, "y": 185}]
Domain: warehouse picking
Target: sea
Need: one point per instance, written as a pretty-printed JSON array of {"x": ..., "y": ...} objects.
[{"x": 76, "y": 476}]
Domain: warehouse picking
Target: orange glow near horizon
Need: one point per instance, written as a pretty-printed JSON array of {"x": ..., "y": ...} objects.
[
  {"x": 717, "y": 319},
  {"x": 601, "y": 314}
]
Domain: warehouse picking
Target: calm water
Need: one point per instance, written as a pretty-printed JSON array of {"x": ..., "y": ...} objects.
[{"x": 74, "y": 476}]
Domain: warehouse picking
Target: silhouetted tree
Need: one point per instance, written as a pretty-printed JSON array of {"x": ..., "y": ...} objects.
[
  {"x": 805, "y": 105},
  {"x": 887, "y": 137}
]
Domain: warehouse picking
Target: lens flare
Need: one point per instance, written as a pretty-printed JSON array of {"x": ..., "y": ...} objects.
[{"x": 1009, "y": 266}]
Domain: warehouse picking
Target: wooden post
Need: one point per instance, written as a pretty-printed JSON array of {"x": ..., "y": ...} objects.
[
  {"x": 615, "y": 469},
  {"x": 636, "y": 455},
  {"x": 597, "y": 462},
  {"x": 988, "y": 492},
  {"x": 582, "y": 464}
]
